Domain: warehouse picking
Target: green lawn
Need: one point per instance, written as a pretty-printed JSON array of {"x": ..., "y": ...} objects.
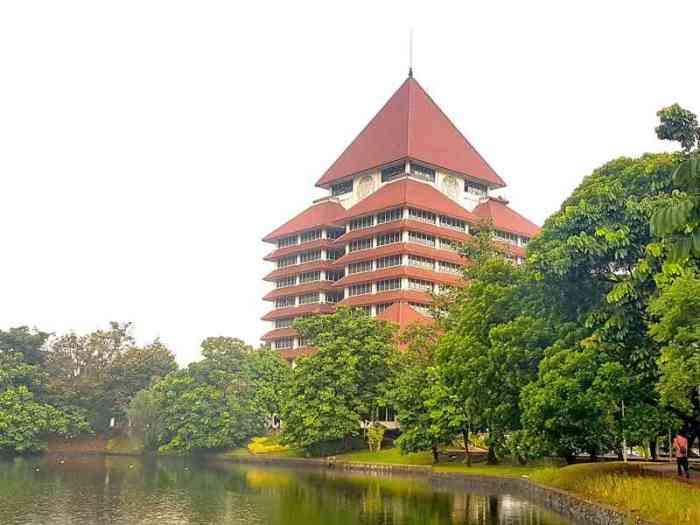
[
  {"x": 390, "y": 456},
  {"x": 502, "y": 470},
  {"x": 663, "y": 501}
]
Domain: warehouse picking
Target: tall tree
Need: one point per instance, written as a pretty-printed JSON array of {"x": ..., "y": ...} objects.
[
  {"x": 26, "y": 419},
  {"x": 29, "y": 342},
  {"x": 342, "y": 384}
]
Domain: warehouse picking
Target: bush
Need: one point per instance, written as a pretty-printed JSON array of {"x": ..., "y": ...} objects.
[{"x": 375, "y": 436}]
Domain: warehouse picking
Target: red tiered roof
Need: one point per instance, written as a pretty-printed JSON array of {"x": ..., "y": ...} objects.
[
  {"x": 324, "y": 213},
  {"x": 407, "y": 191},
  {"x": 505, "y": 218},
  {"x": 403, "y": 315},
  {"x": 411, "y": 125}
]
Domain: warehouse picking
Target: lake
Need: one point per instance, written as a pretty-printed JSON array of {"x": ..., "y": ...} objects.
[{"x": 122, "y": 490}]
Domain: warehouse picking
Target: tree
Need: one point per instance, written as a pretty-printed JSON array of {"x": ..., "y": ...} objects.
[
  {"x": 491, "y": 346},
  {"x": 146, "y": 419},
  {"x": 269, "y": 375},
  {"x": 592, "y": 257},
  {"x": 26, "y": 420},
  {"x": 677, "y": 328},
  {"x": 211, "y": 404},
  {"x": 78, "y": 367},
  {"x": 133, "y": 370},
  {"x": 343, "y": 383},
  {"x": 27, "y": 341},
  {"x": 428, "y": 412},
  {"x": 679, "y": 125}
]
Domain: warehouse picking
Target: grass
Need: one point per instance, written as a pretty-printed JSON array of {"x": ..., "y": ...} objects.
[
  {"x": 664, "y": 501},
  {"x": 267, "y": 446},
  {"x": 389, "y": 456},
  {"x": 124, "y": 444},
  {"x": 502, "y": 470}
]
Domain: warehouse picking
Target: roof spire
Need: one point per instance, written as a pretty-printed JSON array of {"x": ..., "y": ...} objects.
[{"x": 410, "y": 54}]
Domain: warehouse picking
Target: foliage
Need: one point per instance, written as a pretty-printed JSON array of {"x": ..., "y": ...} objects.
[
  {"x": 269, "y": 375},
  {"x": 491, "y": 345},
  {"x": 135, "y": 369},
  {"x": 266, "y": 445},
  {"x": 680, "y": 125},
  {"x": 146, "y": 419},
  {"x": 677, "y": 329},
  {"x": 375, "y": 436},
  {"x": 209, "y": 405},
  {"x": 26, "y": 420},
  {"x": 339, "y": 386},
  {"x": 23, "y": 340},
  {"x": 428, "y": 413}
]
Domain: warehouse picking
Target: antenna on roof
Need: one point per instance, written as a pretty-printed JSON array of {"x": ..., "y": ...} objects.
[{"x": 410, "y": 54}]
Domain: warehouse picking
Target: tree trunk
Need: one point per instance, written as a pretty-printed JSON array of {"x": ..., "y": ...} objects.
[
  {"x": 652, "y": 449},
  {"x": 569, "y": 457},
  {"x": 468, "y": 457},
  {"x": 593, "y": 453},
  {"x": 436, "y": 458},
  {"x": 491, "y": 457}
]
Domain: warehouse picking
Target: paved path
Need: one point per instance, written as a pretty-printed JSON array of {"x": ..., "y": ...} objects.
[{"x": 669, "y": 470}]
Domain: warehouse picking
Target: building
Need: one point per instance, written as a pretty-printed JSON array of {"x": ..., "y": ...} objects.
[{"x": 404, "y": 193}]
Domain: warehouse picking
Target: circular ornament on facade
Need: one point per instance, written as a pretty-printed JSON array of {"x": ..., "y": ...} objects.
[
  {"x": 450, "y": 185},
  {"x": 365, "y": 186}
]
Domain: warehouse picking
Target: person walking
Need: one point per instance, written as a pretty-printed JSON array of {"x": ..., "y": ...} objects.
[{"x": 680, "y": 443}]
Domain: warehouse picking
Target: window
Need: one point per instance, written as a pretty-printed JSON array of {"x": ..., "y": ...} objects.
[
  {"x": 334, "y": 297},
  {"x": 476, "y": 188},
  {"x": 455, "y": 224},
  {"x": 341, "y": 188},
  {"x": 286, "y": 342},
  {"x": 284, "y": 323},
  {"x": 419, "y": 171},
  {"x": 287, "y": 261},
  {"x": 390, "y": 215},
  {"x": 421, "y": 262},
  {"x": 389, "y": 238},
  {"x": 422, "y": 309},
  {"x": 423, "y": 286},
  {"x": 334, "y": 254},
  {"x": 309, "y": 277},
  {"x": 389, "y": 284},
  {"x": 506, "y": 237},
  {"x": 309, "y": 256},
  {"x": 447, "y": 244},
  {"x": 359, "y": 267},
  {"x": 334, "y": 276},
  {"x": 359, "y": 289},
  {"x": 284, "y": 302},
  {"x": 310, "y": 298},
  {"x": 361, "y": 244},
  {"x": 524, "y": 241},
  {"x": 421, "y": 215},
  {"x": 447, "y": 267},
  {"x": 421, "y": 238},
  {"x": 393, "y": 172},
  {"x": 388, "y": 262},
  {"x": 362, "y": 223},
  {"x": 287, "y": 281},
  {"x": 334, "y": 234},
  {"x": 313, "y": 235},
  {"x": 381, "y": 308},
  {"x": 287, "y": 241}
]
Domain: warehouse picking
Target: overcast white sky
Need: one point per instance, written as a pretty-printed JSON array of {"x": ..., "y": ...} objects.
[{"x": 147, "y": 146}]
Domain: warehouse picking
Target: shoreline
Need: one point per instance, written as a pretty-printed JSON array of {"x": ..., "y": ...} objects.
[{"x": 566, "y": 504}]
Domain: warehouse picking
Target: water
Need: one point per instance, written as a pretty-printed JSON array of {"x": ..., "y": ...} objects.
[{"x": 118, "y": 490}]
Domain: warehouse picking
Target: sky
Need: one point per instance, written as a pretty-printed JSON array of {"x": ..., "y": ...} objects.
[{"x": 146, "y": 147}]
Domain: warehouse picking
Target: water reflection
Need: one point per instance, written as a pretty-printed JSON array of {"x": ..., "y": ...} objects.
[{"x": 97, "y": 490}]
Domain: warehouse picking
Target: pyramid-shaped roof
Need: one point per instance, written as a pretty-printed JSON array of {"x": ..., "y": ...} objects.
[
  {"x": 411, "y": 125},
  {"x": 324, "y": 213},
  {"x": 505, "y": 218}
]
